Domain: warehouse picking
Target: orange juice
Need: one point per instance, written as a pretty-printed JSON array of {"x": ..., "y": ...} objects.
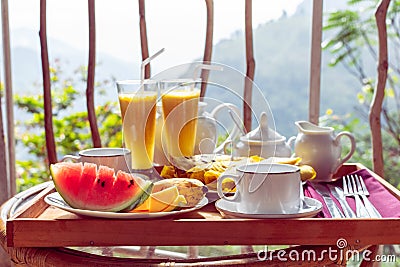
[
  {"x": 180, "y": 116},
  {"x": 139, "y": 122}
]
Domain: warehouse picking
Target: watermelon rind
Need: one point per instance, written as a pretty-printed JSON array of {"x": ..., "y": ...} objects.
[
  {"x": 141, "y": 198},
  {"x": 137, "y": 200}
]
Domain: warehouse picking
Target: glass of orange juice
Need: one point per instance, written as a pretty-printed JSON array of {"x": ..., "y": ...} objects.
[
  {"x": 137, "y": 101},
  {"x": 180, "y": 100}
]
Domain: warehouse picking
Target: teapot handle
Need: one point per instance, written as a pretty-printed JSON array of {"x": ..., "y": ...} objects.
[
  {"x": 226, "y": 144},
  {"x": 235, "y": 131},
  {"x": 352, "y": 148},
  {"x": 291, "y": 141}
]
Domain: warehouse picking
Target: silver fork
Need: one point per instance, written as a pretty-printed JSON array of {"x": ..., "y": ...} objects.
[
  {"x": 364, "y": 193},
  {"x": 348, "y": 185}
]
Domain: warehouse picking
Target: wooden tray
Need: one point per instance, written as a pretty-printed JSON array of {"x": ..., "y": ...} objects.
[{"x": 40, "y": 225}]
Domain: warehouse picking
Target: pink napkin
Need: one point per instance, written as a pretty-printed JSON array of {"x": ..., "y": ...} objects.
[{"x": 387, "y": 205}]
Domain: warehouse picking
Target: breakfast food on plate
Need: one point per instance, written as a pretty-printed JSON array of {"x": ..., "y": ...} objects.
[
  {"x": 207, "y": 170},
  {"x": 98, "y": 188},
  {"x": 162, "y": 201},
  {"x": 285, "y": 160},
  {"x": 171, "y": 194},
  {"x": 193, "y": 190},
  {"x": 92, "y": 187},
  {"x": 307, "y": 172}
]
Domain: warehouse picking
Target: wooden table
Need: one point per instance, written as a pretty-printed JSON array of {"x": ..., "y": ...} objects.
[{"x": 44, "y": 230}]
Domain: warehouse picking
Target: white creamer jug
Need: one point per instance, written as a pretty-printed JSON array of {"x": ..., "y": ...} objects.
[{"x": 319, "y": 147}]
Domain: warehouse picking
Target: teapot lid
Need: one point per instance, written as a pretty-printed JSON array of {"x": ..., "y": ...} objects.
[{"x": 263, "y": 133}]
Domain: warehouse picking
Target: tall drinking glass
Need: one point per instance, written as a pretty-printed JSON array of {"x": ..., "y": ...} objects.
[
  {"x": 180, "y": 100},
  {"x": 137, "y": 101}
]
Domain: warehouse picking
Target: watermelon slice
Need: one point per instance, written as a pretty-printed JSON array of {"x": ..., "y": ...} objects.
[{"x": 91, "y": 187}]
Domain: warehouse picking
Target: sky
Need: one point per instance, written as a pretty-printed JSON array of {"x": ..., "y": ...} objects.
[{"x": 176, "y": 25}]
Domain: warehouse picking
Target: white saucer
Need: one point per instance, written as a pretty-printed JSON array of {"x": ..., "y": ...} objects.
[{"x": 228, "y": 209}]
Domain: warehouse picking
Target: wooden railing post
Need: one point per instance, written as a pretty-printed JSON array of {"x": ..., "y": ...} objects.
[
  {"x": 90, "y": 76},
  {"x": 4, "y": 195},
  {"x": 143, "y": 37},
  {"x": 208, "y": 45},
  {"x": 48, "y": 114},
  {"x": 251, "y": 65},
  {"x": 8, "y": 173},
  {"x": 379, "y": 92},
  {"x": 315, "y": 68}
]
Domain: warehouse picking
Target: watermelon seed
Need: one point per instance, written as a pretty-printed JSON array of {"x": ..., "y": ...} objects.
[
  {"x": 103, "y": 183},
  {"x": 98, "y": 181},
  {"x": 131, "y": 182}
]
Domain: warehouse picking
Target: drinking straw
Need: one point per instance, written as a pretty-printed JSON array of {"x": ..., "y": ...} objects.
[
  {"x": 145, "y": 62},
  {"x": 207, "y": 67},
  {"x": 238, "y": 122}
]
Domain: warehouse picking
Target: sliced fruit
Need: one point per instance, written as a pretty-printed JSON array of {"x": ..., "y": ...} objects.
[
  {"x": 307, "y": 172},
  {"x": 69, "y": 175},
  {"x": 193, "y": 190},
  {"x": 138, "y": 183},
  {"x": 163, "y": 199},
  {"x": 89, "y": 174},
  {"x": 180, "y": 201},
  {"x": 228, "y": 185},
  {"x": 86, "y": 187},
  {"x": 211, "y": 176},
  {"x": 286, "y": 160},
  {"x": 256, "y": 158},
  {"x": 144, "y": 207}
]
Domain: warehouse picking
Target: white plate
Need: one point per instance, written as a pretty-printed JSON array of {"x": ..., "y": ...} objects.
[
  {"x": 54, "y": 199},
  {"x": 229, "y": 209}
]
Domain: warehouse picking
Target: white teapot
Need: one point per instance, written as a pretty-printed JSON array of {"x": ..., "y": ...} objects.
[
  {"x": 206, "y": 135},
  {"x": 262, "y": 141}
]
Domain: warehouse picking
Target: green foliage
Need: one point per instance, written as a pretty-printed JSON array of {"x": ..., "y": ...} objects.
[
  {"x": 71, "y": 126},
  {"x": 356, "y": 36}
]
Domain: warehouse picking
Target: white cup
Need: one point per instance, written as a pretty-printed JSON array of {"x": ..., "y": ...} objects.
[
  {"x": 116, "y": 158},
  {"x": 265, "y": 188}
]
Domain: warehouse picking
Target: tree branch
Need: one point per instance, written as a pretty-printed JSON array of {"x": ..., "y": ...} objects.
[
  {"x": 315, "y": 64},
  {"x": 208, "y": 45},
  {"x": 379, "y": 93},
  {"x": 143, "y": 37},
  {"x": 48, "y": 114},
  {"x": 90, "y": 77},
  {"x": 251, "y": 65}
]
